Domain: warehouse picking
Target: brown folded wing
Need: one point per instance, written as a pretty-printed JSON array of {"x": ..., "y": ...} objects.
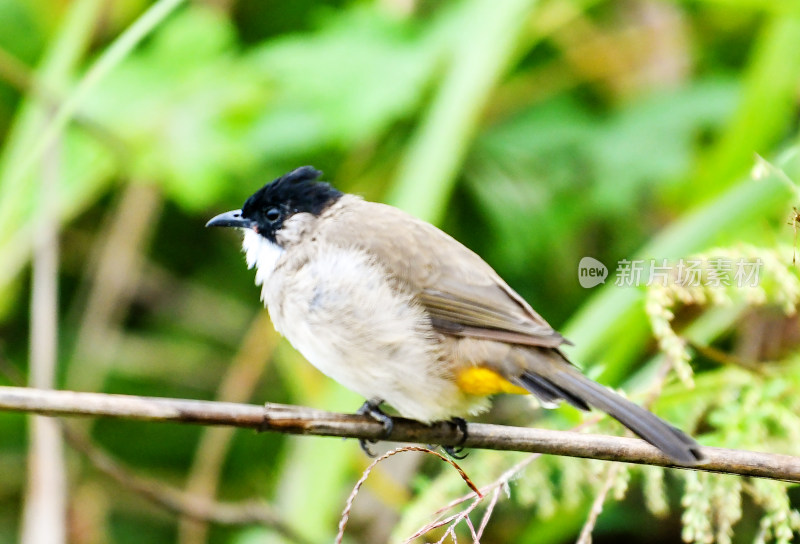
[{"x": 463, "y": 295}]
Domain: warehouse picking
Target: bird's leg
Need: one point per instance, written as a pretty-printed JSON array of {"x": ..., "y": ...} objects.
[
  {"x": 455, "y": 451},
  {"x": 372, "y": 408}
]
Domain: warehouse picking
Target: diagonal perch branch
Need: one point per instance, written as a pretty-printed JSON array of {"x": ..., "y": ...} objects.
[{"x": 300, "y": 420}]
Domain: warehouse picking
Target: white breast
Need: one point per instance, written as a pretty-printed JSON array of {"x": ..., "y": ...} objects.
[{"x": 338, "y": 310}]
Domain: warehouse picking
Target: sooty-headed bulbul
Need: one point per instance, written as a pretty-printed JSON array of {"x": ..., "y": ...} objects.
[{"x": 398, "y": 311}]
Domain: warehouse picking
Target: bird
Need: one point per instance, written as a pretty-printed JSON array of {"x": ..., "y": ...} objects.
[{"x": 398, "y": 311}]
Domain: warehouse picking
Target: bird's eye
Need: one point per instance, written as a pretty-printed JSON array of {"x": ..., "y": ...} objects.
[{"x": 273, "y": 214}]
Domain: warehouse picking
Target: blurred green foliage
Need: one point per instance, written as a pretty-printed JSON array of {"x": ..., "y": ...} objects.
[{"x": 535, "y": 131}]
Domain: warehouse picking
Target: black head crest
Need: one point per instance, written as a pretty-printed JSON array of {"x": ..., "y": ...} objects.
[{"x": 295, "y": 192}]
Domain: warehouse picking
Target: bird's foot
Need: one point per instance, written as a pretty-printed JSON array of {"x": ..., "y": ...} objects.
[
  {"x": 455, "y": 451},
  {"x": 372, "y": 408}
]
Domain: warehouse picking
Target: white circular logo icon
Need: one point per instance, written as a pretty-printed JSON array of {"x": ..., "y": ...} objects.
[{"x": 591, "y": 272}]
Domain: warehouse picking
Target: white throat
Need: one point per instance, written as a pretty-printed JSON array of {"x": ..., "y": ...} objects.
[{"x": 261, "y": 254}]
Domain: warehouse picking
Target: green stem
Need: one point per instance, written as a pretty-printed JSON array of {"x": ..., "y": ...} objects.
[
  {"x": 112, "y": 56},
  {"x": 487, "y": 37}
]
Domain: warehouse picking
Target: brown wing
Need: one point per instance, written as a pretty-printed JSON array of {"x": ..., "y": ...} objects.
[{"x": 463, "y": 295}]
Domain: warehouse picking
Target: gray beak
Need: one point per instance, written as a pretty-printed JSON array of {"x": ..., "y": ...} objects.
[{"x": 232, "y": 218}]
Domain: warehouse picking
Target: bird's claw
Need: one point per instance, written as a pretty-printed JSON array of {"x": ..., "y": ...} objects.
[
  {"x": 455, "y": 451},
  {"x": 372, "y": 409}
]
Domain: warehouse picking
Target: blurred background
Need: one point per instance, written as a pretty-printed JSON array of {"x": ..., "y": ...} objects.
[{"x": 536, "y": 132}]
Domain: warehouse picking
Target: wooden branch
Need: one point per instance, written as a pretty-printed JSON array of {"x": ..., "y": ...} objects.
[{"x": 300, "y": 420}]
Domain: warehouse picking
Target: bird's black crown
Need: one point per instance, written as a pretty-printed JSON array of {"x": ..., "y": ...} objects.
[{"x": 295, "y": 192}]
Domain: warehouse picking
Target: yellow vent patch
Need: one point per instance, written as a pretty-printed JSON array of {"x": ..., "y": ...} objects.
[{"x": 481, "y": 381}]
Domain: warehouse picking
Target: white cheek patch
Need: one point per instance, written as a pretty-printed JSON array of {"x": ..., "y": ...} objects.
[{"x": 261, "y": 254}]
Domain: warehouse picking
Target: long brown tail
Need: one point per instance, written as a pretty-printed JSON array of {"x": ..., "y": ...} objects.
[{"x": 550, "y": 376}]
